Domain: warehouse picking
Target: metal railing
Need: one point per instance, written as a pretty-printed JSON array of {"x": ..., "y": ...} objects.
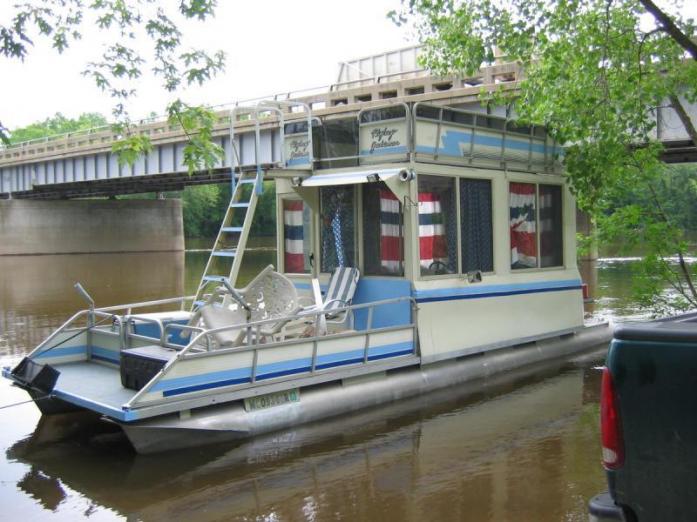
[
  {"x": 120, "y": 320},
  {"x": 300, "y": 94},
  {"x": 255, "y": 336}
]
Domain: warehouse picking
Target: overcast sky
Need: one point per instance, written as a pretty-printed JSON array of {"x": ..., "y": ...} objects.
[{"x": 272, "y": 46}]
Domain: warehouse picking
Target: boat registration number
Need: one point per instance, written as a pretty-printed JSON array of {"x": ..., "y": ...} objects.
[{"x": 271, "y": 399}]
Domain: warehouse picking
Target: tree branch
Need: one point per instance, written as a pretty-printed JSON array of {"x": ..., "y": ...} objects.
[
  {"x": 681, "y": 258},
  {"x": 673, "y": 30},
  {"x": 685, "y": 119}
]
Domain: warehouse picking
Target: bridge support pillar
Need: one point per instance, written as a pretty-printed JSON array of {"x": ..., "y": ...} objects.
[{"x": 90, "y": 226}]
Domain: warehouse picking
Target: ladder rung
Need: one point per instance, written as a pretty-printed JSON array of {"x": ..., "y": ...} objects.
[
  {"x": 247, "y": 181},
  {"x": 239, "y": 205},
  {"x": 231, "y": 229},
  {"x": 224, "y": 253}
]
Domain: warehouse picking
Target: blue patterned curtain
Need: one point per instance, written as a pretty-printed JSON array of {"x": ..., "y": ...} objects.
[{"x": 477, "y": 225}]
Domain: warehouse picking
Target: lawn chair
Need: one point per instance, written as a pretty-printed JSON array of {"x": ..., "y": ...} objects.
[
  {"x": 269, "y": 295},
  {"x": 339, "y": 294},
  {"x": 340, "y": 291}
]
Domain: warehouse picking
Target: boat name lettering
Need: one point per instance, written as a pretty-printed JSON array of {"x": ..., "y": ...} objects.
[
  {"x": 298, "y": 148},
  {"x": 383, "y": 138}
]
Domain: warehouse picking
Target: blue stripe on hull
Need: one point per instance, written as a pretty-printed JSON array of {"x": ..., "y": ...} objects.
[
  {"x": 99, "y": 353},
  {"x": 62, "y": 351},
  {"x": 181, "y": 385},
  {"x": 479, "y": 292}
]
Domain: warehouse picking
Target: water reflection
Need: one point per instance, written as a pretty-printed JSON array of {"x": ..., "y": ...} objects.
[
  {"x": 37, "y": 295},
  {"x": 525, "y": 449},
  {"x": 519, "y": 450}
]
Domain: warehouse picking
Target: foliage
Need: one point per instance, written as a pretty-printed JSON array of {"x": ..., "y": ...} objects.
[
  {"x": 205, "y": 206},
  {"x": 130, "y": 148},
  {"x": 197, "y": 123},
  {"x": 126, "y": 22},
  {"x": 203, "y": 209},
  {"x": 595, "y": 72},
  {"x": 57, "y": 124},
  {"x": 652, "y": 217}
]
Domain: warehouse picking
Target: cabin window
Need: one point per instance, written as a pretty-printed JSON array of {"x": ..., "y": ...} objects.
[
  {"x": 523, "y": 213},
  {"x": 297, "y": 237},
  {"x": 337, "y": 227},
  {"x": 382, "y": 231},
  {"x": 551, "y": 234},
  {"x": 476, "y": 225},
  {"x": 437, "y": 225},
  {"x": 530, "y": 231}
]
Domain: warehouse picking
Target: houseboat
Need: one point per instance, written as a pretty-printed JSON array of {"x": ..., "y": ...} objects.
[{"x": 420, "y": 246}]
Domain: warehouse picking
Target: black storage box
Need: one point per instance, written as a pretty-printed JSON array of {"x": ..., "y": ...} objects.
[{"x": 140, "y": 365}]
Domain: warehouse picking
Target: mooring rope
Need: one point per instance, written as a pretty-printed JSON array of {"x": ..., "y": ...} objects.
[{"x": 24, "y": 402}]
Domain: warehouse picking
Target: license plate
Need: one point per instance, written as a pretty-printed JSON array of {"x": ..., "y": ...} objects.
[{"x": 271, "y": 399}]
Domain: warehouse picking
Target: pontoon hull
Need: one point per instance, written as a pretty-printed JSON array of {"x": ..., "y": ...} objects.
[{"x": 231, "y": 421}]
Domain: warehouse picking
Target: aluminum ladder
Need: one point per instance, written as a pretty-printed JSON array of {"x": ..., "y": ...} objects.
[
  {"x": 225, "y": 261},
  {"x": 226, "y": 257}
]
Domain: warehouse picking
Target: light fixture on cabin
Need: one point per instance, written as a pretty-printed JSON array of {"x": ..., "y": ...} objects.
[
  {"x": 296, "y": 181},
  {"x": 406, "y": 175},
  {"x": 373, "y": 178}
]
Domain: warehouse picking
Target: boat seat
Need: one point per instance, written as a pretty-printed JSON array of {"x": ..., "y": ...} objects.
[
  {"x": 215, "y": 316},
  {"x": 269, "y": 295}
]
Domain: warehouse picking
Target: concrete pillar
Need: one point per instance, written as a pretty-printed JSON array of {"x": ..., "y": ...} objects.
[
  {"x": 585, "y": 226},
  {"x": 90, "y": 226}
]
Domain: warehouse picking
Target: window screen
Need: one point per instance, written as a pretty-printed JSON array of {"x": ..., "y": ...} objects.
[
  {"x": 437, "y": 225},
  {"x": 551, "y": 234},
  {"x": 337, "y": 227},
  {"x": 382, "y": 232},
  {"x": 476, "y": 227}
]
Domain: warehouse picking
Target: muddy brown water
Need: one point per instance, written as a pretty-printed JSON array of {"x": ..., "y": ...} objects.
[{"x": 525, "y": 448}]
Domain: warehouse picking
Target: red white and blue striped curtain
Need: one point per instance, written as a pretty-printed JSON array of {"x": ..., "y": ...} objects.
[
  {"x": 390, "y": 233},
  {"x": 294, "y": 258},
  {"x": 432, "y": 243},
  {"x": 523, "y": 225}
]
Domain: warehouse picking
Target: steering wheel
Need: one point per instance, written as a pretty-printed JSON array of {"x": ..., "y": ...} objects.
[{"x": 438, "y": 267}]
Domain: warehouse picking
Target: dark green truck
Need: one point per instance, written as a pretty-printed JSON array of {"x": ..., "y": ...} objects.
[{"x": 649, "y": 423}]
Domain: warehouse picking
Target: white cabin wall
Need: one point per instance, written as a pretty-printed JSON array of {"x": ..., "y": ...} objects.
[
  {"x": 569, "y": 211},
  {"x": 451, "y": 328}
]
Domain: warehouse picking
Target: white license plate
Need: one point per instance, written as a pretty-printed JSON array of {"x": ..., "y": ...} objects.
[{"x": 271, "y": 399}]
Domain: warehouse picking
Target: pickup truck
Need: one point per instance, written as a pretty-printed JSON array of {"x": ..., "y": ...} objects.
[{"x": 648, "y": 411}]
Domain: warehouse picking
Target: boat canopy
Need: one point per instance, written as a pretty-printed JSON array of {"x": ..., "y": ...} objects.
[{"x": 353, "y": 177}]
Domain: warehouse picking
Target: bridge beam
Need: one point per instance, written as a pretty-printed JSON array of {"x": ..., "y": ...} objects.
[{"x": 90, "y": 226}]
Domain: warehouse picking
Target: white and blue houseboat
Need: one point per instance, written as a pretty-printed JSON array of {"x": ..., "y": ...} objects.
[{"x": 420, "y": 246}]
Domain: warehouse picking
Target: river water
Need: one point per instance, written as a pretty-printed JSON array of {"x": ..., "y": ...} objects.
[{"x": 525, "y": 449}]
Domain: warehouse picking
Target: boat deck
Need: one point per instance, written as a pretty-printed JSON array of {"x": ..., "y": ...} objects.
[{"x": 98, "y": 385}]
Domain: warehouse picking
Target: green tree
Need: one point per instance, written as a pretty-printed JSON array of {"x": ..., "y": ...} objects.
[
  {"x": 595, "y": 71},
  {"x": 128, "y": 24},
  {"x": 203, "y": 210},
  {"x": 58, "y": 124},
  {"x": 205, "y": 206}
]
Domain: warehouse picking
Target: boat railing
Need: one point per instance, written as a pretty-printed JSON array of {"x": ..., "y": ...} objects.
[
  {"x": 88, "y": 319},
  {"x": 254, "y": 341},
  {"x": 255, "y": 327},
  {"x": 147, "y": 304},
  {"x": 89, "y": 316}
]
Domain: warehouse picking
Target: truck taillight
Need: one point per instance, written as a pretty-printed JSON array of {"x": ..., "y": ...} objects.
[{"x": 610, "y": 424}]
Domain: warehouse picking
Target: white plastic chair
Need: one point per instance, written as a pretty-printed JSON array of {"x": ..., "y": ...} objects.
[{"x": 269, "y": 295}]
